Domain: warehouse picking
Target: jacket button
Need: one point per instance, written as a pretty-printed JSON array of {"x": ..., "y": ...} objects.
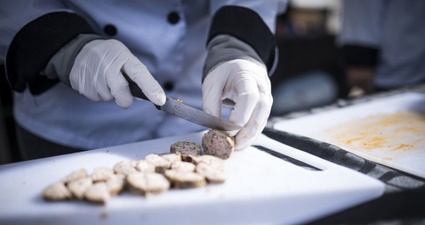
[
  {"x": 168, "y": 85},
  {"x": 110, "y": 30},
  {"x": 173, "y": 17}
]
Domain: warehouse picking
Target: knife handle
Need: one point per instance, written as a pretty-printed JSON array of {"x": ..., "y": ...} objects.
[{"x": 135, "y": 90}]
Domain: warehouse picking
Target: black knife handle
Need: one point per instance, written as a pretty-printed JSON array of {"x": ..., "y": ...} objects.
[{"x": 135, "y": 90}]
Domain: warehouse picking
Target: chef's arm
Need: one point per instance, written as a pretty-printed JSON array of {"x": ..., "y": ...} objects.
[
  {"x": 241, "y": 52},
  {"x": 60, "y": 64},
  {"x": 94, "y": 67},
  {"x": 360, "y": 41},
  {"x": 33, "y": 32},
  {"x": 58, "y": 45},
  {"x": 243, "y": 29}
]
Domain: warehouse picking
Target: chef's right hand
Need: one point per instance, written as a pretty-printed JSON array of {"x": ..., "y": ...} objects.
[{"x": 97, "y": 73}]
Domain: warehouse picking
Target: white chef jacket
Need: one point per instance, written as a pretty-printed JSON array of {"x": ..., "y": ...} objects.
[
  {"x": 396, "y": 29},
  {"x": 173, "y": 49}
]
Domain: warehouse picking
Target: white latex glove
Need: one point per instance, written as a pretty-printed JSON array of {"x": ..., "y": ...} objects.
[
  {"x": 246, "y": 84},
  {"x": 97, "y": 73}
]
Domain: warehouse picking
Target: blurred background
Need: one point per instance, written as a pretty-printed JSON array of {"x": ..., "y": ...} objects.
[{"x": 310, "y": 71}]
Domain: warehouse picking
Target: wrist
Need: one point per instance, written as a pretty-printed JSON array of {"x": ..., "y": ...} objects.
[
  {"x": 224, "y": 48},
  {"x": 237, "y": 31},
  {"x": 60, "y": 65},
  {"x": 33, "y": 46}
]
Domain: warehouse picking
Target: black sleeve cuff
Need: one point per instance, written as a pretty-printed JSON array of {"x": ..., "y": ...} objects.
[
  {"x": 247, "y": 26},
  {"x": 34, "y": 45},
  {"x": 355, "y": 55}
]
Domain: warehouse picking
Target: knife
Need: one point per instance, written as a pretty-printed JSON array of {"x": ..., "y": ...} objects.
[
  {"x": 394, "y": 179},
  {"x": 179, "y": 109}
]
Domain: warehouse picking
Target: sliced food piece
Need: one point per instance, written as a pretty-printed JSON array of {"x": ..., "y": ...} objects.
[
  {"x": 172, "y": 157},
  {"x": 145, "y": 167},
  {"x": 189, "y": 158},
  {"x": 215, "y": 162},
  {"x": 134, "y": 163},
  {"x": 186, "y": 148},
  {"x": 183, "y": 180},
  {"x": 211, "y": 174},
  {"x": 75, "y": 175},
  {"x": 147, "y": 183},
  {"x": 218, "y": 143},
  {"x": 116, "y": 184},
  {"x": 56, "y": 192},
  {"x": 124, "y": 167},
  {"x": 98, "y": 193},
  {"x": 102, "y": 174},
  {"x": 160, "y": 163},
  {"x": 80, "y": 186},
  {"x": 183, "y": 166}
]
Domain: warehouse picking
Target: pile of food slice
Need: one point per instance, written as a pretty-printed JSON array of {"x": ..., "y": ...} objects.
[{"x": 186, "y": 166}]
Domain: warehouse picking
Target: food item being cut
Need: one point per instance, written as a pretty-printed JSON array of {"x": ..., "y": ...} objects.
[
  {"x": 218, "y": 143},
  {"x": 186, "y": 148}
]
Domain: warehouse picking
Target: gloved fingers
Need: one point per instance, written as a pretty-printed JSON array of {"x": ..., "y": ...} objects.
[
  {"x": 95, "y": 66},
  {"x": 256, "y": 123},
  {"x": 100, "y": 67},
  {"x": 247, "y": 84},
  {"x": 119, "y": 89},
  {"x": 246, "y": 96},
  {"x": 138, "y": 72},
  {"x": 108, "y": 81},
  {"x": 212, "y": 93},
  {"x": 102, "y": 88},
  {"x": 84, "y": 79}
]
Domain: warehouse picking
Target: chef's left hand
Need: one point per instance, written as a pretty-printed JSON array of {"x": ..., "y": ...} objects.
[{"x": 247, "y": 84}]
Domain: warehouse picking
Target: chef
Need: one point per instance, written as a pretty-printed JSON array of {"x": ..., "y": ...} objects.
[
  {"x": 383, "y": 43},
  {"x": 65, "y": 61}
]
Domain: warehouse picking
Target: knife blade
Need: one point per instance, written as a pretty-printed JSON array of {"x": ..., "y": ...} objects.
[{"x": 179, "y": 109}]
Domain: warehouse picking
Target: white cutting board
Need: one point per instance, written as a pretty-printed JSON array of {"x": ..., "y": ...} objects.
[
  {"x": 260, "y": 189},
  {"x": 389, "y": 130}
]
